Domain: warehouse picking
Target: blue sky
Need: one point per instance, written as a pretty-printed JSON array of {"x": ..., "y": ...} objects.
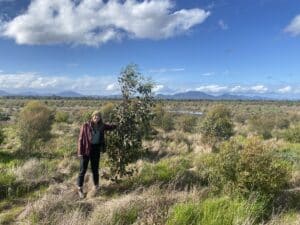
[{"x": 221, "y": 46}]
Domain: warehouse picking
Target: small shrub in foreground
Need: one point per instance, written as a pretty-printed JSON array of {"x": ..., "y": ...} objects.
[{"x": 246, "y": 167}]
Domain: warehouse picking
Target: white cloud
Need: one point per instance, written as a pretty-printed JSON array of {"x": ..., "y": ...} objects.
[
  {"x": 294, "y": 26},
  {"x": 94, "y": 22},
  {"x": 32, "y": 81},
  {"x": 239, "y": 88},
  {"x": 222, "y": 25},
  {"x": 212, "y": 88},
  {"x": 285, "y": 90},
  {"x": 113, "y": 87},
  {"x": 207, "y": 74},
  {"x": 158, "y": 87},
  {"x": 259, "y": 89},
  {"x": 166, "y": 70}
]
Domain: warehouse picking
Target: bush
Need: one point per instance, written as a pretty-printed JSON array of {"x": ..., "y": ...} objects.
[
  {"x": 217, "y": 125},
  {"x": 292, "y": 134},
  {"x": 246, "y": 167},
  {"x": 83, "y": 116},
  {"x": 107, "y": 111},
  {"x": 34, "y": 124},
  {"x": 2, "y": 136},
  {"x": 167, "y": 122},
  {"x": 6, "y": 181},
  {"x": 4, "y": 116},
  {"x": 262, "y": 125},
  {"x": 187, "y": 123},
  {"x": 261, "y": 169},
  {"x": 216, "y": 211},
  {"x": 162, "y": 118},
  {"x": 61, "y": 117}
]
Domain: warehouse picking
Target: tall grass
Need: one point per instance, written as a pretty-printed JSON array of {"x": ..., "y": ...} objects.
[{"x": 216, "y": 211}]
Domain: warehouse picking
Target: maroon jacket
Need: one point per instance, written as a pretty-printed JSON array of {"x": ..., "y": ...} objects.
[{"x": 85, "y": 137}]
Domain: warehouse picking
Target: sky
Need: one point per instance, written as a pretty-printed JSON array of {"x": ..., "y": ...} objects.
[{"x": 249, "y": 47}]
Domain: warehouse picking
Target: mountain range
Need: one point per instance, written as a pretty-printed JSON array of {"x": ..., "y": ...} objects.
[{"x": 190, "y": 95}]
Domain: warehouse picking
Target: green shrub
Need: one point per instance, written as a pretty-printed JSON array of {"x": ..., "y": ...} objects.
[
  {"x": 6, "y": 181},
  {"x": 167, "y": 122},
  {"x": 217, "y": 125},
  {"x": 292, "y": 134},
  {"x": 162, "y": 118},
  {"x": 34, "y": 124},
  {"x": 261, "y": 169},
  {"x": 2, "y": 136},
  {"x": 246, "y": 167},
  {"x": 216, "y": 211},
  {"x": 4, "y": 116},
  {"x": 83, "y": 116},
  {"x": 61, "y": 117},
  {"x": 187, "y": 123},
  {"x": 262, "y": 125},
  {"x": 107, "y": 111}
]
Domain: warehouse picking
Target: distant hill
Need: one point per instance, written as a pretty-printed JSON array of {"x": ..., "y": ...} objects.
[
  {"x": 198, "y": 95},
  {"x": 192, "y": 95},
  {"x": 69, "y": 94},
  {"x": 3, "y": 93}
]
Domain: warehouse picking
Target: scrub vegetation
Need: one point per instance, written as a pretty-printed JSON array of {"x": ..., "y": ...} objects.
[{"x": 238, "y": 163}]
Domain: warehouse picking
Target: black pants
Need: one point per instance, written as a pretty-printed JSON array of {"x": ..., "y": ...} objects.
[{"x": 94, "y": 157}]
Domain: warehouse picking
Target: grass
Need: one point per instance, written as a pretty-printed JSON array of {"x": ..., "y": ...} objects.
[
  {"x": 216, "y": 211},
  {"x": 125, "y": 216},
  {"x": 168, "y": 171}
]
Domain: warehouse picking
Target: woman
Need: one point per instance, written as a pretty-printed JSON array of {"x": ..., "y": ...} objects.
[{"x": 90, "y": 143}]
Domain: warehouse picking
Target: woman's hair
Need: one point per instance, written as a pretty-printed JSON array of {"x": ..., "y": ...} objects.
[{"x": 98, "y": 113}]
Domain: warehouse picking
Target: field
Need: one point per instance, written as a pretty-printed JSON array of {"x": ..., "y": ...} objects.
[{"x": 186, "y": 175}]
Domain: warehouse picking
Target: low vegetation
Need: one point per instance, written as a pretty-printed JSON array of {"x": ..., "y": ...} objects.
[{"x": 232, "y": 165}]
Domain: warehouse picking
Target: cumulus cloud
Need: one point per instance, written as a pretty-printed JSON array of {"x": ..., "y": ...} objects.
[
  {"x": 212, "y": 88},
  {"x": 285, "y": 90},
  {"x": 239, "y": 88},
  {"x": 158, "y": 87},
  {"x": 94, "y": 22},
  {"x": 294, "y": 26},
  {"x": 113, "y": 87},
  {"x": 32, "y": 81},
  {"x": 259, "y": 89}
]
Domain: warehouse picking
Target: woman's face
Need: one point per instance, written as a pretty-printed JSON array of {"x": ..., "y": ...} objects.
[{"x": 96, "y": 118}]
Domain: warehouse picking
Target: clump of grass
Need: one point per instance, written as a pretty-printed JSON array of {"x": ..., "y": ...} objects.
[
  {"x": 173, "y": 170},
  {"x": 126, "y": 215},
  {"x": 288, "y": 218},
  {"x": 10, "y": 216},
  {"x": 52, "y": 208},
  {"x": 216, "y": 211},
  {"x": 6, "y": 181}
]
